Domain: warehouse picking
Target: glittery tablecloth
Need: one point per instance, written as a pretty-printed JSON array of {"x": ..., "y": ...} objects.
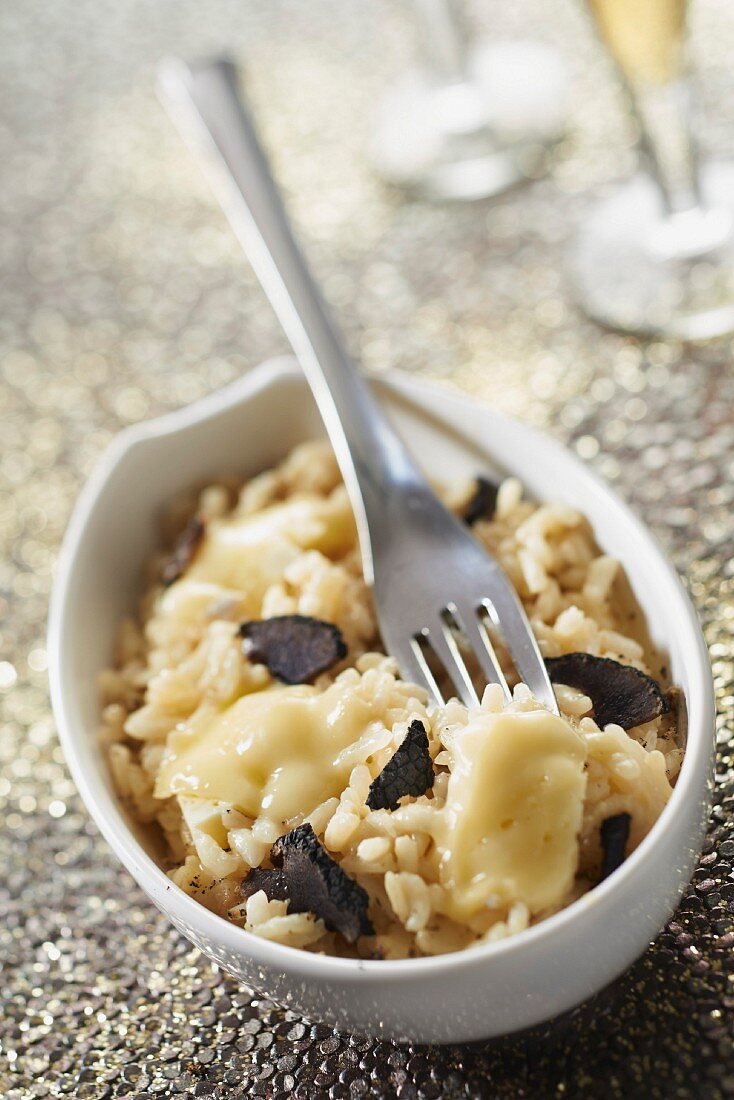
[{"x": 123, "y": 295}]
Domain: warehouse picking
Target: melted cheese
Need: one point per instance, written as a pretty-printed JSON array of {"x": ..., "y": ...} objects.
[
  {"x": 279, "y": 752},
  {"x": 240, "y": 558},
  {"x": 513, "y": 812},
  {"x": 265, "y": 542},
  {"x": 191, "y": 601}
]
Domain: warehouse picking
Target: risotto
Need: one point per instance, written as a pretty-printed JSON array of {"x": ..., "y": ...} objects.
[{"x": 302, "y": 790}]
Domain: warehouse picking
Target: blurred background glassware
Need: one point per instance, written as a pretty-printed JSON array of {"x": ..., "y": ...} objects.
[
  {"x": 468, "y": 120},
  {"x": 657, "y": 256}
]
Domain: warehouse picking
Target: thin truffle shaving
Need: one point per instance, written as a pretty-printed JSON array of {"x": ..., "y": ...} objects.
[
  {"x": 408, "y": 772},
  {"x": 184, "y": 551},
  {"x": 482, "y": 503},
  {"x": 295, "y": 648},
  {"x": 306, "y": 876},
  {"x": 621, "y": 694},
  {"x": 615, "y": 833}
]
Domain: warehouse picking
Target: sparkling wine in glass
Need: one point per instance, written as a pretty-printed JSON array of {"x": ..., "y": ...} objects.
[
  {"x": 468, "y": 119},
  {"x": 657, "y": 257}
]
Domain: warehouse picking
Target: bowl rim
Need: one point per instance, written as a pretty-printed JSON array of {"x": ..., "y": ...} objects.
[{"x": 152, "y": 878}]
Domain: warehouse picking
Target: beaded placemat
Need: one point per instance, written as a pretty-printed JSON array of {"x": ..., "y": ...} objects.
[{"x": 123, "y": 295}]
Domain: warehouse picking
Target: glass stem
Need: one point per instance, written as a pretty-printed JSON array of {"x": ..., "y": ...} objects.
[
  {"x": 664, "y": 113},
  {"x": 443, "y": 40}
]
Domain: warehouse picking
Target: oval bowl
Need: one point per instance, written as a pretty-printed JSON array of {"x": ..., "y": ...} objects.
[{"x": 485, "y": 991}]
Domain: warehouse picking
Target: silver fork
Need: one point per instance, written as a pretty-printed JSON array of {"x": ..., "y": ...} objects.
[{"x": 431, "y": 578}]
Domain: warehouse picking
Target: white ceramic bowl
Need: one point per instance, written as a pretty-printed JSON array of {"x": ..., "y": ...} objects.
[{"x": 482, "y": 992}]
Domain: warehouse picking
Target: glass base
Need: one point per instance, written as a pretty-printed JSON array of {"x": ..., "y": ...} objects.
[
  {"x": 635, "y": 270},
  {"x": 478, "y": 137}
]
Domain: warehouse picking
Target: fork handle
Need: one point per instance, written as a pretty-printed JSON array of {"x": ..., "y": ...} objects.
[{"x": 206, "y": 105}]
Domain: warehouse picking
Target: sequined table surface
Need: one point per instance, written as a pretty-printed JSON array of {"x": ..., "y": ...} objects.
[{"x": 123, "y": 295}]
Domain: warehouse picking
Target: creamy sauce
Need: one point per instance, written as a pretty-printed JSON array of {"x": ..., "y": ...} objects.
[
  {"x": 513, "y": 812},
  {"x": 279, "y": 752}
]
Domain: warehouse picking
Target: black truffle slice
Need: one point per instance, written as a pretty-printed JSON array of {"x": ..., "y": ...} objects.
[
  {"x": 620, "y": 693},
  {"x": 184, "y": 551},
  {"x": 408, "y": 771},
  {"x": 295, "y": 648},
  {"x": 306, "y": 876},
  {"x": 482, "y": 502},
  {"x": 615, "y": 833}
]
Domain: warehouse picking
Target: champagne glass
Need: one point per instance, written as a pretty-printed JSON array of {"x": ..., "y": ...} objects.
[
  {"x": 469, "y": 119},
  {"x": 657, "y": 257}
]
